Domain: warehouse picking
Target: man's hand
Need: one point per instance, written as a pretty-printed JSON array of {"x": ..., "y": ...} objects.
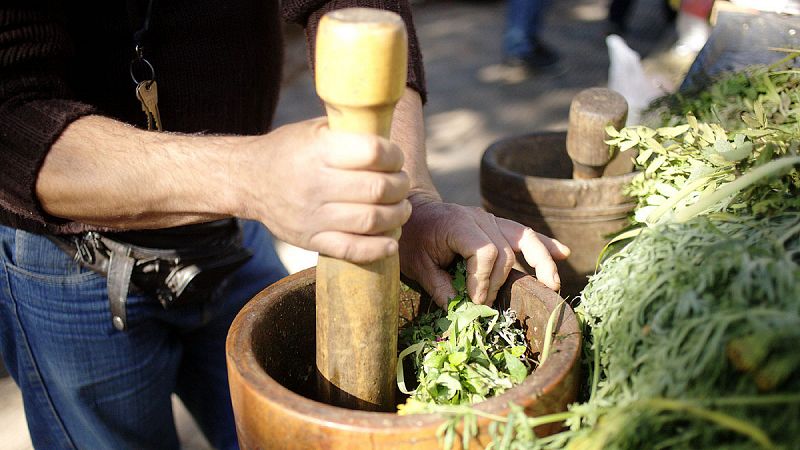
[
  {"x": 330, "y": 192},
  {"x": 438, "y": 231}
]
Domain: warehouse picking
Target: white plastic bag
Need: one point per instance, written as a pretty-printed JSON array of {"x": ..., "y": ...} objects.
[{"x": 626, "y": 76}]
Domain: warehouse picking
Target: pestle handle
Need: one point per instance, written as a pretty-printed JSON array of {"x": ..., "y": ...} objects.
[
  {"x": 590, "y": 112},
  {"x": 361, "y": 60}
]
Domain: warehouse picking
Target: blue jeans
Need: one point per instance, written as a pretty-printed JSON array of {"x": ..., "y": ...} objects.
[
  {"x": 523, "y": 21},
  {"x": 86, "y": 385}
]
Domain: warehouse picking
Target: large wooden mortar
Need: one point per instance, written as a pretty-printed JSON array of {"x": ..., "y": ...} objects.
[
  {"x": 270, "y": 352},
  {"x": 529, "y": 179}
]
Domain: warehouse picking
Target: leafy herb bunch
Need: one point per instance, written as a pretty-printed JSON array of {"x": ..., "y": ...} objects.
[
  {"x": 697, "y": 348},
  {"x": 730, "y": 149},
  {"x": 466, "y": 356},
  {"x": 749, "y": 96}
]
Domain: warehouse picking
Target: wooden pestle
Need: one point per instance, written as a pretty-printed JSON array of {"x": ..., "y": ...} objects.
[
  {"x": 361, "y": 63},
  {"x": 590, "y": 112}
]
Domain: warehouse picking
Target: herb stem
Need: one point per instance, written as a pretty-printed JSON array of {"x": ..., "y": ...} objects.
[
  {"x": 789, "y": 233},
  {"x": 687, "y": 189},
  {"x": 457, "y": 410},
  {"x": 721, "y": 419},
  {"x": 595, "y": 371},
  {"x": 548, "y": 332},
  {"x": 735, "y": 186},
  {"x": 753, "y": 400},
  {"x": 549, "y": 418}
]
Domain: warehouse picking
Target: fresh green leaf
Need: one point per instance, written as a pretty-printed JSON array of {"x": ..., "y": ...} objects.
[
  {"x": 457, "y": 358},
  {"x": 516, "y": 369}
]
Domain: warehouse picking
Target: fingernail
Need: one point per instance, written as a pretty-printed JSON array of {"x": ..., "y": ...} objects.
[{"x": 391, "y": 248}]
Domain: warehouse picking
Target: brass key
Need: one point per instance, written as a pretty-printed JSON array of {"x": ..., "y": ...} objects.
[
  {"x": 147, "y": 93},
  {"x": 145, "y": 108}
]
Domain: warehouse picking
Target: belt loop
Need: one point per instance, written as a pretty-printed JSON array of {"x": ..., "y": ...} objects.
[{"x": 120, "y": 267}]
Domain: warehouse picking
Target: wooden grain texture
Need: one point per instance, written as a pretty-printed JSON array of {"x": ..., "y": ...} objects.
[
  {"x": 590, "y": 112},
  {"x": 361, "y": 65},
  {"x": 270, "y": 354}
]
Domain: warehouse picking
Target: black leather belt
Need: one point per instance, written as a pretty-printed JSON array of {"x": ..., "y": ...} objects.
[{"x": 175, "y": 277}]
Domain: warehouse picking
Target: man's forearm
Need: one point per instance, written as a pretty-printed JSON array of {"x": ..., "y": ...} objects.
[
  {"x": 408, "y": 132},
  {"x": 336, "y": 193},
  {"x": 103, "y": 172}
]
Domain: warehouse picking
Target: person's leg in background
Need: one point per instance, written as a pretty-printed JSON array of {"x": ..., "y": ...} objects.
[
  {"x": 618, "y": 16},
  {"x": 522, "y": 45},
  {"x": 203, "y": 377}
]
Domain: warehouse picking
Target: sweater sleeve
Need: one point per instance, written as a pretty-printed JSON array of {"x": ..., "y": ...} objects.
[
  {"x": 308, "y": 13},
  {"x": 35, "y": 107}
]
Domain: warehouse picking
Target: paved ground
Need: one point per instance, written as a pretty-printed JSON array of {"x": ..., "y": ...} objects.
[{"x": 472, "y": 102}]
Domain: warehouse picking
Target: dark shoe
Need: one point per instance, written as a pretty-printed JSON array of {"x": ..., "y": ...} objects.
[
  {"x": 615, "y": 28},
  {"x": 540, "y": 58}
]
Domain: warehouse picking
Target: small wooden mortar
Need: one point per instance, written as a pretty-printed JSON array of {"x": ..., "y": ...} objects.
[{"x": 565, "y": 185}]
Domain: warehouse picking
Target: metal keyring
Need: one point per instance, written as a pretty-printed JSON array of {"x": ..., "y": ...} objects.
[{"x": 149, "y": 66}]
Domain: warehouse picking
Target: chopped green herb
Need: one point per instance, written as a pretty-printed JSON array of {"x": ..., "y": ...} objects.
[{"x": 466, "y": 356}]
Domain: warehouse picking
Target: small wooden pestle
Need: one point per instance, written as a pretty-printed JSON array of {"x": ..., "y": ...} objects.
[{"x": 590, "y": 112}]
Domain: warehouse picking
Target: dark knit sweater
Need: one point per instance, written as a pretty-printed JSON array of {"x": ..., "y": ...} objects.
[{"x": 217, "y": 63}]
